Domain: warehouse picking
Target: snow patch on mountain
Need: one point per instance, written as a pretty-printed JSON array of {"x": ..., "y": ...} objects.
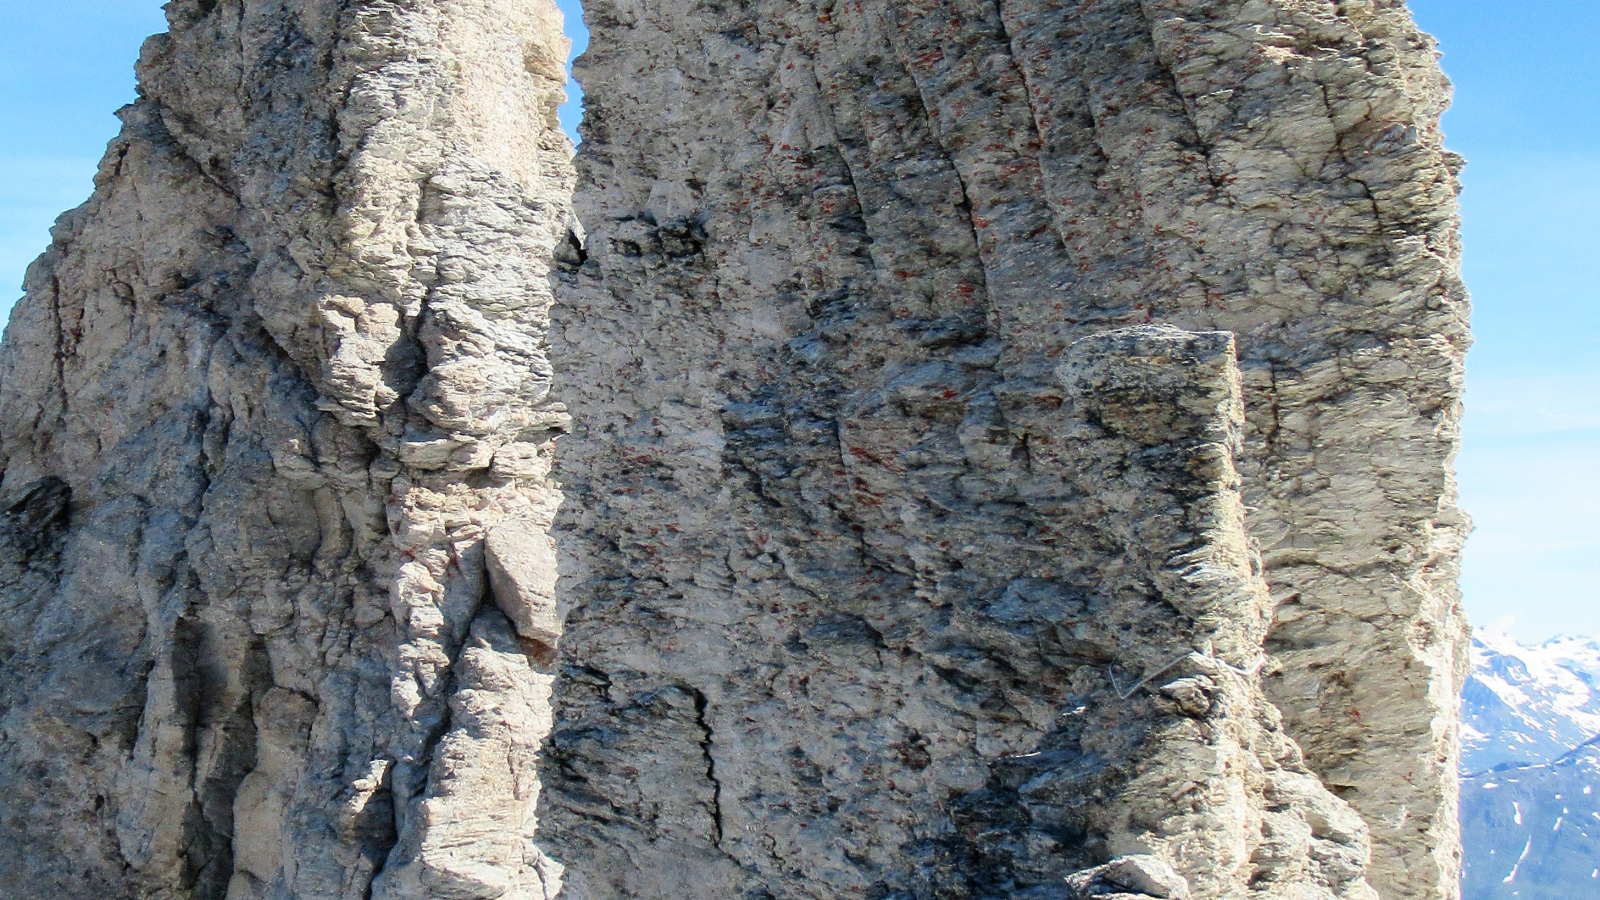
[
  {"x": 1530, "y": 758},
  {"x": 1532, "y": 832}
]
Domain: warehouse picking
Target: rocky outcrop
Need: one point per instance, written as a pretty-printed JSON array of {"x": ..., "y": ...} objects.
[
  {"x": 1009, "y": 457},
  {"x": 835, "y": 252},
  {"x": 269, "y": 396},
  {"x": 946, "y": 626}
]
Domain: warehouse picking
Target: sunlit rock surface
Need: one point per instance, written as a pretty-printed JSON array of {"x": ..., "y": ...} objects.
[
  {"x": 269, "y": 392},
  {"x": 823, "y": 505},
  {"x": 1005, "y": 450}
]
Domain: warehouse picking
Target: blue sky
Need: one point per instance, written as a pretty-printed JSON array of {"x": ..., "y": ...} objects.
[{"x": 1527, "y": 117}]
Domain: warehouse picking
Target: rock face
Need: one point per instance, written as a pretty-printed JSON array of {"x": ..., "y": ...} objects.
[
  {"x": 1010, "y": 459},
  {"x": 839, "y": 562},
  {"x": 270, "y": 394},
  {"x": 986, "y": 624}
]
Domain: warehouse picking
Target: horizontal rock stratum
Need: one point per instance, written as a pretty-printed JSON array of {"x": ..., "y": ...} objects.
[{"x": 922, "y": 450}]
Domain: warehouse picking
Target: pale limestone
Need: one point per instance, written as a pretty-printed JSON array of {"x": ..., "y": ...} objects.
[
  {"x": 270, "y": 390},
  {"x": 833, "y": 251},
  {"x": 1009, "y": 457}
]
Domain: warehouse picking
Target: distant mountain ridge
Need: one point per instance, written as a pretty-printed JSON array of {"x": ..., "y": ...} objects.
[
  {"x": 1528, "y": 704},
  {"x": 1530, "y": 812}
]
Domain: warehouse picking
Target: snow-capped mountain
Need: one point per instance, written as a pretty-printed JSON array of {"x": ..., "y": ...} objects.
[
  {"x": 1530, "y": 791},
  {"x": 1528, "y": 704},
  {"x": 1533, "y": 832}
]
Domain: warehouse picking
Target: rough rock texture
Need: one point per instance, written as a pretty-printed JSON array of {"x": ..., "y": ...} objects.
[
  {"x": 270, "y": 394},
  {"x": 998, "y": 624},
  {"x": 1011, "y": 460},
  {"x": 839, "y": 565}
]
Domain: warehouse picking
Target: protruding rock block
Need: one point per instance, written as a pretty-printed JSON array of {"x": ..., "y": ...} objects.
[{"x": 522, "y": 575}]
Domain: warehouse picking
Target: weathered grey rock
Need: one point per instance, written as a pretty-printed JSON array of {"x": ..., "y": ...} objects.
[
  {"x": 834, "y": 254},
  {"x": 1009, "y": 458},
  {"x": 841, "y": 704},
  {"x": 269, "y": 392}
]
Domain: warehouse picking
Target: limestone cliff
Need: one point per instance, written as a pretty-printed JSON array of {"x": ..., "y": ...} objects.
[
  {"x": 835, "y": 251},
  {"x": 1009, "y": 457},
  {"x": 981, "y": 628},
  {"x": 268, "y": 394}
]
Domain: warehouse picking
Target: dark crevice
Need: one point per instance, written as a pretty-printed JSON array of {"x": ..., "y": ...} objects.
[
  {"x": 700, "y": 705},
  {"x": 34, "y": 525}
]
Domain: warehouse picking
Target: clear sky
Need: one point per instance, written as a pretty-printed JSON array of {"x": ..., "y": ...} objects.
[{"x": 1527, "y": 116}]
